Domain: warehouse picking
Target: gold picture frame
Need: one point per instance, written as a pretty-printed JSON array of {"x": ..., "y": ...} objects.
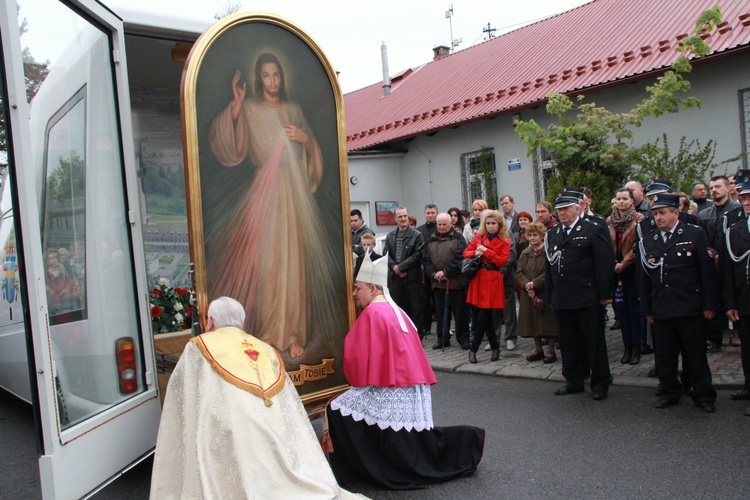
[{"x": 267, "y": 191}]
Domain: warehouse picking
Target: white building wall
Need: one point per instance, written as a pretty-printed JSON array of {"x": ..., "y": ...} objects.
[
  {"x": 430, "y": 171},
  {"x": 379, "y": 178}
]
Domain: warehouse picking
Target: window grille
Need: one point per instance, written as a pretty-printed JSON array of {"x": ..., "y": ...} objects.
[
  {"x": 543, "y": 168},
  {"x": 474, "y": 184},
  {"x": 745, "y": 125}
]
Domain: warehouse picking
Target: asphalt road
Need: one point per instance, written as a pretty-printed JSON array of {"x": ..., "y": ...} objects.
[{"x": 538, "y": 446}]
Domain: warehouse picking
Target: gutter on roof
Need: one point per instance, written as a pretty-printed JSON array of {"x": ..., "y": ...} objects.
[{"x": 379, "y": 152}]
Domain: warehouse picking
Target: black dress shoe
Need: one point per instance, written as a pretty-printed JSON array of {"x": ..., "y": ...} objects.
[
  {"x": 741, "y": 395},
  {"x": 712, "y": 347},
  {"x": 565, "y": 390},
  {"x": 646, "y": 349},
  {"x": 472, "y": 357},
  {"x": 707, "y": 407},
  {"x": 615, "y": 325},
  {"x": 600, "y": 396},
  {"x": 665, "y": 403},
  {"x": 747, "y": 412},
  {"x": 440, "y": 345},
  {"x": 651, "y": 372}
]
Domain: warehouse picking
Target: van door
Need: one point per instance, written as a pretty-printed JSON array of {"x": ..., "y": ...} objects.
[{"x": 80, "y": 246}]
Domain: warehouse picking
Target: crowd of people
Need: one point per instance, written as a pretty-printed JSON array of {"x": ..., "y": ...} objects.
[
  {"x": 673, "y": 266},
  {"x": 64, "y": 277},
  {"x": 677, "y": 281}
]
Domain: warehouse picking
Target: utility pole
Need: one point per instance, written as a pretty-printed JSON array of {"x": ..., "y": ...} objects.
[
  {"x": 449, "y": 16},
  {"x": 490, "y": 31}
]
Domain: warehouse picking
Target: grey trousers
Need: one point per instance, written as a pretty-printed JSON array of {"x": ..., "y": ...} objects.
[{"x": 507, "y": 316}]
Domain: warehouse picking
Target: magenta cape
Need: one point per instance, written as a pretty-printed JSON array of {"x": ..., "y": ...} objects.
[{"x": 377, "y": 352}]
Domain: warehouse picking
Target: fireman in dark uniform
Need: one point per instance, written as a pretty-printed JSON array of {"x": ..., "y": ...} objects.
[
  {"x": 579, "y": 281},
  {"x": 735, "y": 258},
  {"x": 646, "y": 227},
  {"x": 678, "y": 289}
]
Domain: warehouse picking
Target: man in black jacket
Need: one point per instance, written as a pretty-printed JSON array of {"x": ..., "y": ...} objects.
[
  {"x": 405, "y": 247},
  {"x": 678, "y": 290},
  {"x": 579, "y": 280},
  {"x": 442, "y": 268},
  {"x": 712, "y": 222},
  {"x": 735, "y": 256},
  {"x": 428, "y": 229},
  {"x": 359, "y": 228}
]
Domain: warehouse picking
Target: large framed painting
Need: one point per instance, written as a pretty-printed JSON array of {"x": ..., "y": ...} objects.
[{"x": 267, "y": 196}]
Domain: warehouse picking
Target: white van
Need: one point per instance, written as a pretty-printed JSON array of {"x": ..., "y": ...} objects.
[{"x": 75, "y": 336}]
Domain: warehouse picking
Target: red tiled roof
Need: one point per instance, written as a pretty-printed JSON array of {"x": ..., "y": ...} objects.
[{"x": 599, "y": 42}]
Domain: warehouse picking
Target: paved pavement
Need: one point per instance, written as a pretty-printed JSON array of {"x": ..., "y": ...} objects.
[{"x": 726, "y": 365}]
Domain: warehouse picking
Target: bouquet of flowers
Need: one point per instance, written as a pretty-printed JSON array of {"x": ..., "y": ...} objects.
[{"x": 171, "y": 309}]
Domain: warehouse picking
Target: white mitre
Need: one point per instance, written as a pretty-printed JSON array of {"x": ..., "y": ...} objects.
[{"x": 376, "y": 273}]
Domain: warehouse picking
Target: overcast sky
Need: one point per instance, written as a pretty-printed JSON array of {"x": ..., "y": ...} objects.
[{"x": 350, "y": 32}]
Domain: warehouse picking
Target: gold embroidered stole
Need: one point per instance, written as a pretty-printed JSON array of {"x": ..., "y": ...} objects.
[{"x": 244, "y": 361}]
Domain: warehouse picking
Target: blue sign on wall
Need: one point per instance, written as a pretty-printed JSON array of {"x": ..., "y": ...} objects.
[{"x": 514, "y": 164}]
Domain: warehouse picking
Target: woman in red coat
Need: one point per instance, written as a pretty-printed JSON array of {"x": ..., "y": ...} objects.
[{"x": 486, "y": 291}]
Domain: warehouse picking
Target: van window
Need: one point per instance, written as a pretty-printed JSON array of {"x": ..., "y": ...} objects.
[{"x": 64, "y": 212}]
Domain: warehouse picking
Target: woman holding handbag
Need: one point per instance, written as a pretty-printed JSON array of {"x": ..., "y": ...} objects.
[
  {"x": 486, "y": 292},
  {"x": 622, "y": 228},
  {"x": 535, "y": 318}
]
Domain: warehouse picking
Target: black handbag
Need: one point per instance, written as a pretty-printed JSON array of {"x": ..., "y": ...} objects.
[{"x": 470, "y": 266}]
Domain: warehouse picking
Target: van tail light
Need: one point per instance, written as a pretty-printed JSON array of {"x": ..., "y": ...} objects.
[{"x": 126, "y": 366}]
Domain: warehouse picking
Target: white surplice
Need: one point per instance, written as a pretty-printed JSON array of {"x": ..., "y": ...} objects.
[{"x": 217, "y": 440}]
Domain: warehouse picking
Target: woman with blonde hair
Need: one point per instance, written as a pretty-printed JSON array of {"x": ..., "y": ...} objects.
[
  {"x": 477, "y": 207},
  {"x": 536, "y": 319},
  {"x": 486, "y": 291}
]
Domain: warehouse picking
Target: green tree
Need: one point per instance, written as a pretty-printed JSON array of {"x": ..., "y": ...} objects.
[
  {"x": 593, "y": 146},
  {"x": 67, "y": 181},
  {"x": 34, "y": 73},
  {"x": 691, "y": 162}
]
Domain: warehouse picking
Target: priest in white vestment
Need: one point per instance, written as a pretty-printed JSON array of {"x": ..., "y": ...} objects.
[{"x": 233, "y": 425}]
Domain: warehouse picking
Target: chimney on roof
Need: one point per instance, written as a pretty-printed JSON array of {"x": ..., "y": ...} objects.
[
  {"x": 386, "y": 73},
  {"x": 440, "y": 52}
]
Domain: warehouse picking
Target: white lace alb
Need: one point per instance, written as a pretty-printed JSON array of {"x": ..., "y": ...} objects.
[{"x": 397, "y": 408}]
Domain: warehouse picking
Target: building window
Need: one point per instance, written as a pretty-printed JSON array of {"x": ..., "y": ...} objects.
[
  {"x": 479, "y": 177},
  {"x": 543, "y": 168},
  {"x": 745, "y": 123}
]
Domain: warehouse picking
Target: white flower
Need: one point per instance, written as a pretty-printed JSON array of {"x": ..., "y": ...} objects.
[
  {"x": 178, "y": 306},
  {"x": 179, "y": 318},
  {"x": 163, "y": 282}
]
